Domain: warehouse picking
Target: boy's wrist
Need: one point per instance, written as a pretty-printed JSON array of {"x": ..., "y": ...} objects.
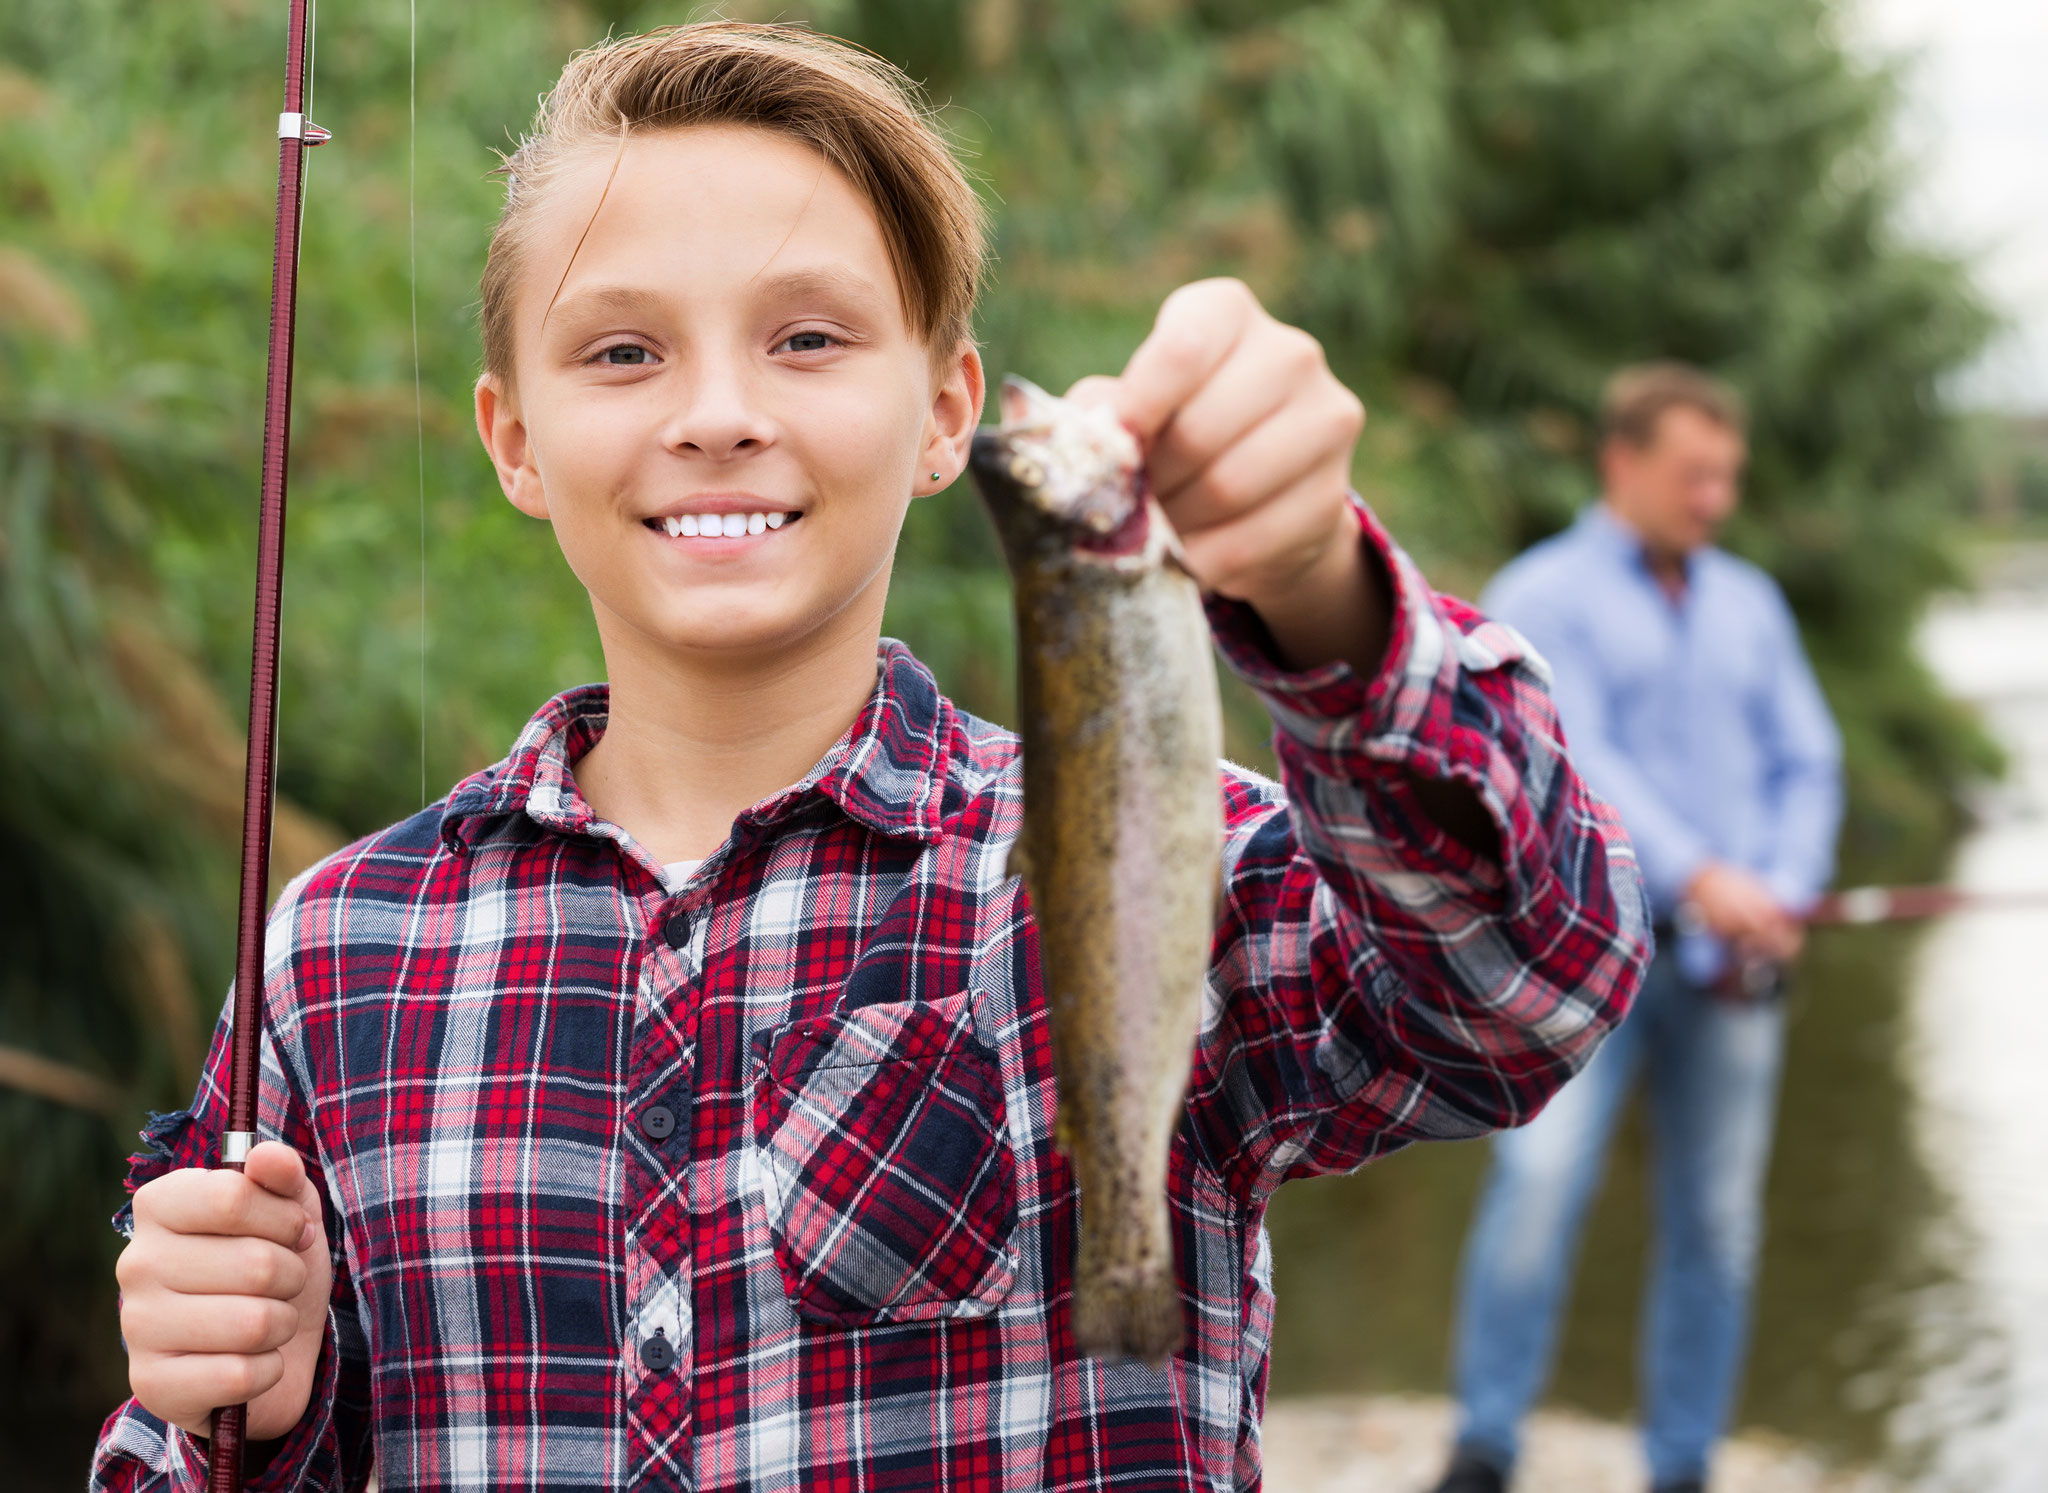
[{"x": 1337, "y": 608}]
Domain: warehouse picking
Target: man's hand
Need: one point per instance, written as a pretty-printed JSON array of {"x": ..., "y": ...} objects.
[
  {"x": 1737, "y": 906},
  {"x": 224, "y": 1293},
  {"x": 1248, "y": 439}
]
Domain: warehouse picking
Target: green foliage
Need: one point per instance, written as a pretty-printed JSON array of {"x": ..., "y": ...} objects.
[{"x": 1480, "y": 207}]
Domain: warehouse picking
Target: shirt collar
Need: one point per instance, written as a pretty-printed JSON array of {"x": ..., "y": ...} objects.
[
  {"x": 1599, "y": 523},
  {"x": 886, "y": 772}
]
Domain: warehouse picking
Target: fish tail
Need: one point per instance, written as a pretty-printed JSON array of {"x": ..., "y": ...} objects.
[{"x": 1130, "y": 1313}]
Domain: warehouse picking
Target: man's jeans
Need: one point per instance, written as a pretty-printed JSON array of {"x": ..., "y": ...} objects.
[{"x": 1712, "y": 1071}]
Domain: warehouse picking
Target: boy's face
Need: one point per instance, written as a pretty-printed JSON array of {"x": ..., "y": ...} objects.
[{"x": 728, "y": 353}]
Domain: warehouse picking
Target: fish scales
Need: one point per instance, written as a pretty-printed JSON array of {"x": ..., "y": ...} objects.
[{"x": 1122, "y": 838}]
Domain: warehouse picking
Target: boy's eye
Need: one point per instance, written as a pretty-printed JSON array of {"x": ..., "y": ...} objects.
[
  {"x": 807, "y": 342},
  {"x": 625, "y": 355}
]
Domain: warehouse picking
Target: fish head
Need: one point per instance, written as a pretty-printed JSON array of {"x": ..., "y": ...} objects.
[{"x": 1057, "y": 472}]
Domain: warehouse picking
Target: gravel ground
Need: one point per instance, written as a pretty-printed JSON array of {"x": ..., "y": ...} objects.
[{"x": 1398, "y": 1445}]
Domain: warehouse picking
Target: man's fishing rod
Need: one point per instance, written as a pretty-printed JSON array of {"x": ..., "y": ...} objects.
[
  {"x": 1899, "y": 904},
  {"x": 1860, "y": 906},
  {"x": 295, "y": 135}
]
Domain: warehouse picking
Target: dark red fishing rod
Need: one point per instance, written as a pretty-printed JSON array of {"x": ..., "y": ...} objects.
[{"x": 295, "y": 135}]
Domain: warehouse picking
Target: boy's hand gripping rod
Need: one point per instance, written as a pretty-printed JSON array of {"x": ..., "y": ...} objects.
[{"x": 295, "y": 135}]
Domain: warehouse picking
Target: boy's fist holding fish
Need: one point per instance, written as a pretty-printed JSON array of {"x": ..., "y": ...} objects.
[{"x": 1248, "y": 439}]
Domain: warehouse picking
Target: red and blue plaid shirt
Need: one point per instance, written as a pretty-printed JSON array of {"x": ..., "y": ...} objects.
[{"x": 748, "y": 1183}]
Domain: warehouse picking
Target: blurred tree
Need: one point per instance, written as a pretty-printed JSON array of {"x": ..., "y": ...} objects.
[{"x": 1480, "y": 206}]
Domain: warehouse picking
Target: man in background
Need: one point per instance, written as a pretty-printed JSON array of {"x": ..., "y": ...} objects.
[{"x": 1688, "y": 704}]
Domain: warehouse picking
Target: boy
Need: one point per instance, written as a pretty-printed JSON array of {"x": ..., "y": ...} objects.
[{"x": 646, "y": 1119}]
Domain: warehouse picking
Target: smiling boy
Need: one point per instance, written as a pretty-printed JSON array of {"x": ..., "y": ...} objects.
[{"x": 671, "y": 1104}]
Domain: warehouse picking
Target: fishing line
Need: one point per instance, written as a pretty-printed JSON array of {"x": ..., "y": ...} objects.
[
  {"x": 306, "y": 112},
  {"x": 298, "y": 256},
  {"x": 419, "y": 419}
]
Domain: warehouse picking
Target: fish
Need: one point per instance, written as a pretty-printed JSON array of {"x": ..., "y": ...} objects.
[{"x": 1122, "y": 837}]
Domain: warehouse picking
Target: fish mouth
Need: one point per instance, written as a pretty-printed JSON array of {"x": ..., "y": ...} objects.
[{"x": 1074, "y": 462}]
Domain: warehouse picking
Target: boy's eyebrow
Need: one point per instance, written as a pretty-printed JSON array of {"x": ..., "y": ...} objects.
[
  {"x": 624, "y": 299},
  {"x": 825, "y": 280},
  {"x": 629, "y": 300}
]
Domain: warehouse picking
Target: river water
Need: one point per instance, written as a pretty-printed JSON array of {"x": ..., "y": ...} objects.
[
  {"x": 1902, "y": 1312},
  {"x": 1977, "y": 1058}
]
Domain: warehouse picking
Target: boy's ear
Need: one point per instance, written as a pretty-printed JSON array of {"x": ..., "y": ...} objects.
[
  {"x": 949, "y": 428},
  {"x": 503, "y": 432}
]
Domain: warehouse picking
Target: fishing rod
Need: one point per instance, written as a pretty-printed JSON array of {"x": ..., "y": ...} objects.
[
  {"x": 295, "y": 136},
  {"x": 1899, "y": 904},
  {"x": 1861, "y": 906}
]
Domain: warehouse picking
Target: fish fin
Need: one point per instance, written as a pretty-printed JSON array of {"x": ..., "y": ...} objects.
[
  {"x": 1062, "y": 1132},
  {"x": 1017, "y": 862},
  {"x": 1128, "y": 1315}
]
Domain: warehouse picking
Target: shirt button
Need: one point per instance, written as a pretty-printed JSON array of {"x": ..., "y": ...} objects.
[
  {"x": 657, "y": 1122},
  {"x": 657, "y": 1352},
  {"x": 675, "y": 929}
]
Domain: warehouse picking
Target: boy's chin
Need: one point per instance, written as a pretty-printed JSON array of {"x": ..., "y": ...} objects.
[{"x": 734, "y": 627}]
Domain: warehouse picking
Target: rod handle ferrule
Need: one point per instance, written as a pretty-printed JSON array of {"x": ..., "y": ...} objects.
[{"x": 291, "y": 126}]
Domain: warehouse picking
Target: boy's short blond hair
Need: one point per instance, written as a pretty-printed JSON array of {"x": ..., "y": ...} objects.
[{"x": 860, "y": 112}]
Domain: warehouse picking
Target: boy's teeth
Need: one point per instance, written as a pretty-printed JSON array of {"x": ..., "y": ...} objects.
[{"x": 720, "y": 525}]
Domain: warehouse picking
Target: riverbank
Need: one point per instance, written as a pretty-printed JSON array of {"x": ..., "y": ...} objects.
[{"x": 1396, "y": 1444}]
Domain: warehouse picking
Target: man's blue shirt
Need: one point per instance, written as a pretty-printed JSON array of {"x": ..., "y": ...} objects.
[{"x": 1698, "y": 719}]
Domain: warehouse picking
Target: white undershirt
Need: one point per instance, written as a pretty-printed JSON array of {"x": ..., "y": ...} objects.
[{"x": 679, "y": 872}]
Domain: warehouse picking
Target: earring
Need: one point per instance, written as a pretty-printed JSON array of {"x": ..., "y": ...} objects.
[{"x": 935, "y": 476}]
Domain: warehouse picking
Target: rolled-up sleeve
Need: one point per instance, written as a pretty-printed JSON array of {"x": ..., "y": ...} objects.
[{"x": 1375, "y": 981}]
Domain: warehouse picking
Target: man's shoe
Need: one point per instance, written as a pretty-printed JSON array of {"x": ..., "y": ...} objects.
[{"x": 1470, "y": 1474}]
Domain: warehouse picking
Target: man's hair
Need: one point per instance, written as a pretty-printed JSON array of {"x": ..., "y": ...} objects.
[
  {"x": 859, "y": 112},
  {"x": 1638, "y": 396}
]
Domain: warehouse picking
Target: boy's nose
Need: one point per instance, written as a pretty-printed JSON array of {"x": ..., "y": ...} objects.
[{"x": 717, "y": 419}]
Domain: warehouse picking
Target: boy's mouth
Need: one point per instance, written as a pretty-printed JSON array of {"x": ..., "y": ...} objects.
[{"x": 734, "y": 525}]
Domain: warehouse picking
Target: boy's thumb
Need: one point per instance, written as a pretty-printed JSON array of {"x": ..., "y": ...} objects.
[{"x": 276, "y": 1167}]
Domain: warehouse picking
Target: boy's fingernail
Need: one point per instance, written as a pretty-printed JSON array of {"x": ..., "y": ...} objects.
[{"x": 305, "y": 1237}]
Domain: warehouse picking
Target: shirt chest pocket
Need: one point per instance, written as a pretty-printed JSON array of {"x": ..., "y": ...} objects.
[{"x": 891, "y": 1186}]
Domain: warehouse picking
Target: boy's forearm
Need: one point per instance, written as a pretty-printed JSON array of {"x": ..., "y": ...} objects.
[{"x": 1342, "y": 612}]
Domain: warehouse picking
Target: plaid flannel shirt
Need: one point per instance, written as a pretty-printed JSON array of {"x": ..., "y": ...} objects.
[{"x": 748, "y": 1183}]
